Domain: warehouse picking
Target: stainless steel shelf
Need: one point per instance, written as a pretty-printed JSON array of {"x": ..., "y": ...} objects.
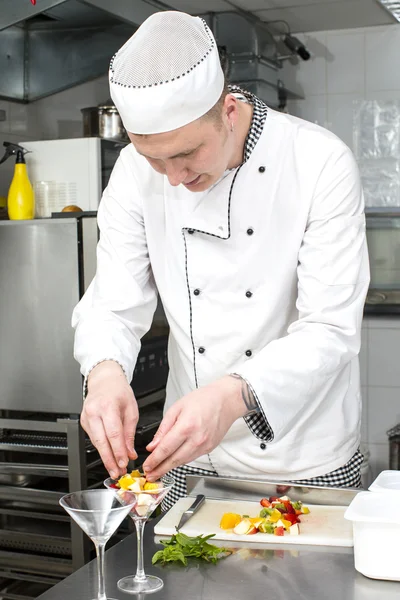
[{"x": 34, "y": 564}]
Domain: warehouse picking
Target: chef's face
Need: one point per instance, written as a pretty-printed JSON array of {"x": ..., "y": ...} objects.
[{"x": 197, "y": 154}]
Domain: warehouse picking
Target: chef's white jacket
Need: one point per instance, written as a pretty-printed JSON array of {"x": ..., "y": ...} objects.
[{"x": 276, "y": 252}]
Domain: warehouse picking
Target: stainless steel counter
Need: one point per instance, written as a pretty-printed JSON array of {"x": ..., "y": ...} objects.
[{"x": 271, "y": 572}]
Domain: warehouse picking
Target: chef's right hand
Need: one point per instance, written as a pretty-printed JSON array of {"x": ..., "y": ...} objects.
[{"x": 110, "y": 415}]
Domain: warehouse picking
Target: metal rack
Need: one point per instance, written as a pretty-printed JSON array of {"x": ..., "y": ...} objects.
[{"x": 42, "y": 457}]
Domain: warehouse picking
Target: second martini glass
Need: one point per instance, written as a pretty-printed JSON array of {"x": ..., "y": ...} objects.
[
  {"x": 145, "y": 502},
  {"x": 98, "y": 513}
]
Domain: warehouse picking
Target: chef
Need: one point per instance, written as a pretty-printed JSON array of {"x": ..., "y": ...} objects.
[{"x": 249, "y": 225}]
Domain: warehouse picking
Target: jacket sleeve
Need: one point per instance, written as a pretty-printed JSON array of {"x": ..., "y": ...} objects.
[
  {"x": 118, "y": 306},
  {"x": 333, "y": 277}
]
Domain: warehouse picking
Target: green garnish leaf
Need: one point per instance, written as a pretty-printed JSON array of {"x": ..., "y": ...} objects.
[{"x": 180, "y": 547}]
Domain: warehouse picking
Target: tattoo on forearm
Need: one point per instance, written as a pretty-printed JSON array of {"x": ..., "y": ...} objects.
[{"x": 247, "y": 395}]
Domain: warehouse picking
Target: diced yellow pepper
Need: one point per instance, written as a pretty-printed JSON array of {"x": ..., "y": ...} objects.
[
  {"x": 287, "y": 524},
  {"x": 125, "y": 481},
  {"x": 136, "y": 473},
  {"x": 256, "y": 521},
  {"x": 274, "y": 516},
  {"x": 151, "y": 486},
  {"x": 305, "y": 510},
  {"x": 230, "y": 520}
]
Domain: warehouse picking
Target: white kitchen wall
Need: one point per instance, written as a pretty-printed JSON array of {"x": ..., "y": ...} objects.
[
  {"x": 347, "y": 66},
  {"x": 58, "y": 116}
]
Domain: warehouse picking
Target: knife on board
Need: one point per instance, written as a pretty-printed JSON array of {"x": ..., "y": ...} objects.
[{"x": 193, "y": 508}]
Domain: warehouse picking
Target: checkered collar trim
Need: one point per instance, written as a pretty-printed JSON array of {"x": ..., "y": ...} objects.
[{"x": 260, "y": 111}]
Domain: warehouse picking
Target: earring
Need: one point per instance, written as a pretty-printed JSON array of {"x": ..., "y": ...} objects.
[{"x": 232, "y": 127}]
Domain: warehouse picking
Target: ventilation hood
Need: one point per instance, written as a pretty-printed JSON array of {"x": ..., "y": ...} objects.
[{"x": 58, "y": 44}]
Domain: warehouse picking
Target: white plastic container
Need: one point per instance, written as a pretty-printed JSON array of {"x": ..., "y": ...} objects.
[
  {"x": 387, "y": 481},
  {"x": 376, "y": 531}
]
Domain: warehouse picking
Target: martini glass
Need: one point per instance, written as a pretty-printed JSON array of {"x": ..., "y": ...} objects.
[
  {"x": 98, "y": 513},
  {"x": 144, "y": 503}
]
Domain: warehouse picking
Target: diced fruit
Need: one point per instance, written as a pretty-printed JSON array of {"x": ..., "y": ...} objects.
[
  {"x": 136, "y": 473},
  {"x": 135, "y": 487},
  {"x": 275, "y": 516},
  {"x": 266, "y": 527},
  {"x": 252, "y": 531},
  {"x": 244, "y": 527},
  {"x": 289, "y": 508},
  {"x": 265, "y": 503},
  {"x": 125, "y": 481},
  {"x": 142, "y": 510},
  {"x": 144, "y": 499},
  {"x": 266, "y": 512},
  {"x": 292, "y": 518},
  {"x": 256, "y": 521},
  {"x": 151, "y": 486},
  {"x": 230, "y": 520}
]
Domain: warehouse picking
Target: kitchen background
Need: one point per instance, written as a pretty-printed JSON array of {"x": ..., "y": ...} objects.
[
  {"x": 354, "y": 47},
  {"x": 346, "y": 65}
]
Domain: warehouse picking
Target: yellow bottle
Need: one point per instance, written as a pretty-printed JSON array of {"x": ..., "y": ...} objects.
[{"x": 21, "y": 199}]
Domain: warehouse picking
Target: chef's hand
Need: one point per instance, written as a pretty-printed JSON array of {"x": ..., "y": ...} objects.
[
  {"x": 194, "y": 425},
  {"x": 110, "y": 415}
]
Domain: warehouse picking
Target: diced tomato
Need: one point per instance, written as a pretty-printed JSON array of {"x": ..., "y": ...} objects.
[
  {"x": 265, "y": 503},
  {"x": 114, "y": 486},
  {"x": 292, "y": 518},
  {"x": 279, "y": 531},
  {"x": 289, "y": 508},
  {"x": 281, "y": 510}
]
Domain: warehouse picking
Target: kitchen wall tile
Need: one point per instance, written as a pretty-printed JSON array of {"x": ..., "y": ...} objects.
[
  {"x": 340, "y": 115},
  {"x": 383, "y": 357},
  {"x": 313, "y": 109},
  {"x": 385, "y": 277},
  {"x": 364, "y": 414},
  {"x": 60, "y": 116},
  {"x": 378, "y": 459},
  {"x": 345, "y": 63},
  {"x": 382, "y": 59},
  {"x": 383, "y": 95},
  {"x": 23, "y": 120},
  {"x": 384, "y": 322},
  {"x": 363, "y": 357},
  {"x": 307, "y": 78},
  {"x": 5, "y": 125},
  {"x": 383, "y": 412}
]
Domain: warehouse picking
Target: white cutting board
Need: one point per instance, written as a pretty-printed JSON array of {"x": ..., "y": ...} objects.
[{"x": 324, "y": 526}]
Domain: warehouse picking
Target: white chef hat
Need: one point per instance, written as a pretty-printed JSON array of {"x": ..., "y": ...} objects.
[{"x": 167, "y": 74}]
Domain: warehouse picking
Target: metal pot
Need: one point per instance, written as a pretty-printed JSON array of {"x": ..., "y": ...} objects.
[{"x": 104, "y": 122}]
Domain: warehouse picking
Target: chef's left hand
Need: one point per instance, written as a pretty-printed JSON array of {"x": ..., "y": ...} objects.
[{"x": 194, "y": 425}]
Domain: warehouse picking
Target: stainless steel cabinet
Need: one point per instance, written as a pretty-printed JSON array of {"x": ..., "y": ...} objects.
[{"x": 43, "y": 268}]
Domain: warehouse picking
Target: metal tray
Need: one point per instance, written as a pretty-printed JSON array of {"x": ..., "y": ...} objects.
[{"x": 224, "y": 488}]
